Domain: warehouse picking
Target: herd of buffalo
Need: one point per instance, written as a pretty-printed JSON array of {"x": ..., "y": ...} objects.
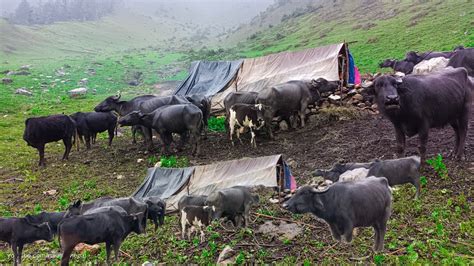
[{"x": 355, "y": 194}]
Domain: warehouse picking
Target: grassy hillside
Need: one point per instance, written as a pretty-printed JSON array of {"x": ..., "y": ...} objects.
[{"x": 375, "y": 29}]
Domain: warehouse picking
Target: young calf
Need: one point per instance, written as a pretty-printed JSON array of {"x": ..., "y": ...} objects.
[
  {"x": 244, "y": 116},
  {"x": 90, "y": 123},
  {"x": 20, "y": 231},
  {"x": 193, "y": 218},
  {"x": 347, "y": 205},
  {"x": 110, "y": 227},
  {"x": 45, "y": 129}
]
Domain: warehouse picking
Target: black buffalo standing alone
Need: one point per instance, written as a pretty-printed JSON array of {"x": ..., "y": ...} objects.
[
  {"x": 113, "y": 103},
  {"x": 346, "y": 205},
  {"x": 90, "y": 123},
  {"x": 416, "y": 103},
  {"x": 289, "y": 98},
  {"x": 45, "y": 129},
  {"x": 183, "y": 119}
]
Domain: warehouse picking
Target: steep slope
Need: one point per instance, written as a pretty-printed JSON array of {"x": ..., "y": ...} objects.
[{"x": 374, "y": 29}]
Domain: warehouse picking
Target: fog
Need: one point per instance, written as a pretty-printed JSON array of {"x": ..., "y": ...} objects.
[{"x": 225, "y": 13}]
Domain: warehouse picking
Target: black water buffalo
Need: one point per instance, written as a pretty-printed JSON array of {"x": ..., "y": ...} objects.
[
  {"x": 416, "y": 58},
  {"x": 251, "y": 116},
  {"x": 113, "y": 103},
  {"x": 403, "y": 66},
  {"x": 232, "y": 203},
  {"x": 416, "y": 103},
  {"x": 183, "y": 119},
  {"x": 90, "y": 123},
  {"x": 45, "y": 129},
  {"x": 151, "y": 105},
  {"x": 346, "y": 205},
  {"x": 156, "y": 210},
  {"x": 194, "y": 218},
  {"x": 204, "y": 104},
  {"x": 110, "y": 227},
  {"x": 52, "y": 218},
  {"x": 463, "y": 58},
  {"x": 289, "y": 98},
  {"x": 129, "y": 204},
  {"x": 106, "y": 209},
  {"x": 20, "y": 231},
  {"x": 323, "y": 85},
  {"x": 190, "y": 200}
]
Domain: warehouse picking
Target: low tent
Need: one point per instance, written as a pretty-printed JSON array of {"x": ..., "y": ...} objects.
[
  {"x": 208, "y": 77},
  {"x": 171, "y": 184},
  {"x": 329, "y": 62}
]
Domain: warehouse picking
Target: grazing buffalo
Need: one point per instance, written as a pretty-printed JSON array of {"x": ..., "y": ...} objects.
[
  {"x": 151, "y": 105},
  {"x": 204, "y": 104},
  {"x": 129, "y": 204},
  {"x": 346, "y": 205},
  {"x": 52, "y": 218},
  {"x": 404, "y": 66},
  {"x": 183, "y": 119},
  {"x": 415, "y": 103},
  {"x": 232, "y": 203},
  {"x": 189, "y": 200},
  {"x": 289, "y": 98},
  {"x": 20, "y": 231},
  {"x": 431, "y": 65},
  {"x": 463, "y": 58},
  {"x": 45, "y": 129},
  {"x": 113, "y": 103},
  {"x": 90, "y": 123},
  {"x": 110, "y": 227},
  {"x": 194, "y": 218},
  {"x": 251, "y": 116}
]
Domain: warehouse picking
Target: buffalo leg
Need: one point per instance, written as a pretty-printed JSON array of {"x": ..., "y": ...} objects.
[
  {"x": 347, "y": 231},
  {"x": 15, "y": 253},
  {"x": 66, "y": 255},
  {"x": 167, "y": 139},
  {"x": 68, "y": 145},
  {"x": 423, "y": 136},
  {"x": 416, "y": 182},
  {"x": 400, "y": 137},
  {"x": 196, "y": 142},
  {"x": 107, "y": 249},
  {"x": 379, "y": 229},
  {"x": 117, "y": 249},
  {"x": 335, "y": 232},
  {"x": 134, "y": 132},
  {"x": 20, "y": 252},
  {"x": 148, "y": 136},
  {"x": 41, "y": 155},
  {"x": 463, "y": 126},
  {"x": 111, "y": 135},
  {"x": 88, "y": 141}
]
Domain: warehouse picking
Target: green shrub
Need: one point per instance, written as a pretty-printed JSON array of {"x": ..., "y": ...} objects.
[
  {"x": 174, "y": 162},
  {"x": 217, "y": 124}
]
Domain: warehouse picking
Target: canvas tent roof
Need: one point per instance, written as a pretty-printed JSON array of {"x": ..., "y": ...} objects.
[
  {"x": 255, "y": 74},
  {"x": 172, "y": 183},
  {"x": 208, "y": 77}
]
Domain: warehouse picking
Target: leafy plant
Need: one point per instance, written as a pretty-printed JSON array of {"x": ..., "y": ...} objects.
[
  {"x": 439, "y": 166},
  {"x": 423, "y": 180},
  {"x": 240, "y": 259},
  {"x": 378, "y": 259},
  {"x": 152, "y": 160},
  {"x": 38, "y": 208},
  {"x": 216, "y": 124},
  {"x": 173, "y": 161}
]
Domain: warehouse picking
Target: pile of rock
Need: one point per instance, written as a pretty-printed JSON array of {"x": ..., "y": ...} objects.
[{"x": 353, "y": 96}]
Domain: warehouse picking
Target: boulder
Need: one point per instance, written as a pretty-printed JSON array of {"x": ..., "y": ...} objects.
[
  {"x": 7, "y": 80},
  {"x": 23, "y": 91},
  {"x": 361, "y": 105},
  {"x": 283, "y": 126},
  {"x": 25, "y": 67},
  {"x": 358, "y": 97},
  {"x": 79, "y": 92},
  {"x": 83, "y": 82},
  {"x": 334, "y": 98}
]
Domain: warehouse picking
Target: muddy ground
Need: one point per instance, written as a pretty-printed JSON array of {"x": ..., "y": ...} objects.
[{"x": 326, "y": 139}]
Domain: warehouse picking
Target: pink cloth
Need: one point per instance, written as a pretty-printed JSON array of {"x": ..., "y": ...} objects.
[{"x": 357, "y": 76}]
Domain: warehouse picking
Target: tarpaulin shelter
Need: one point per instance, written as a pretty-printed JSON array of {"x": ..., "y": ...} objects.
[
  {"x": 208, "y": 77},
  {"x": 171, "y": 184},
  {"x": 254, "y": 74}
]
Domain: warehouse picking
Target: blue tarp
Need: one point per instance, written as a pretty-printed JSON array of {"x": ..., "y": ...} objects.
[
  {"x": 351, "y": 70},
  {"x": 208, "y": 77}
]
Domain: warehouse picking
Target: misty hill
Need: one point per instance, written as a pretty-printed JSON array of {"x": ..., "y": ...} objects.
[{"x": 374, "y": 29}]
